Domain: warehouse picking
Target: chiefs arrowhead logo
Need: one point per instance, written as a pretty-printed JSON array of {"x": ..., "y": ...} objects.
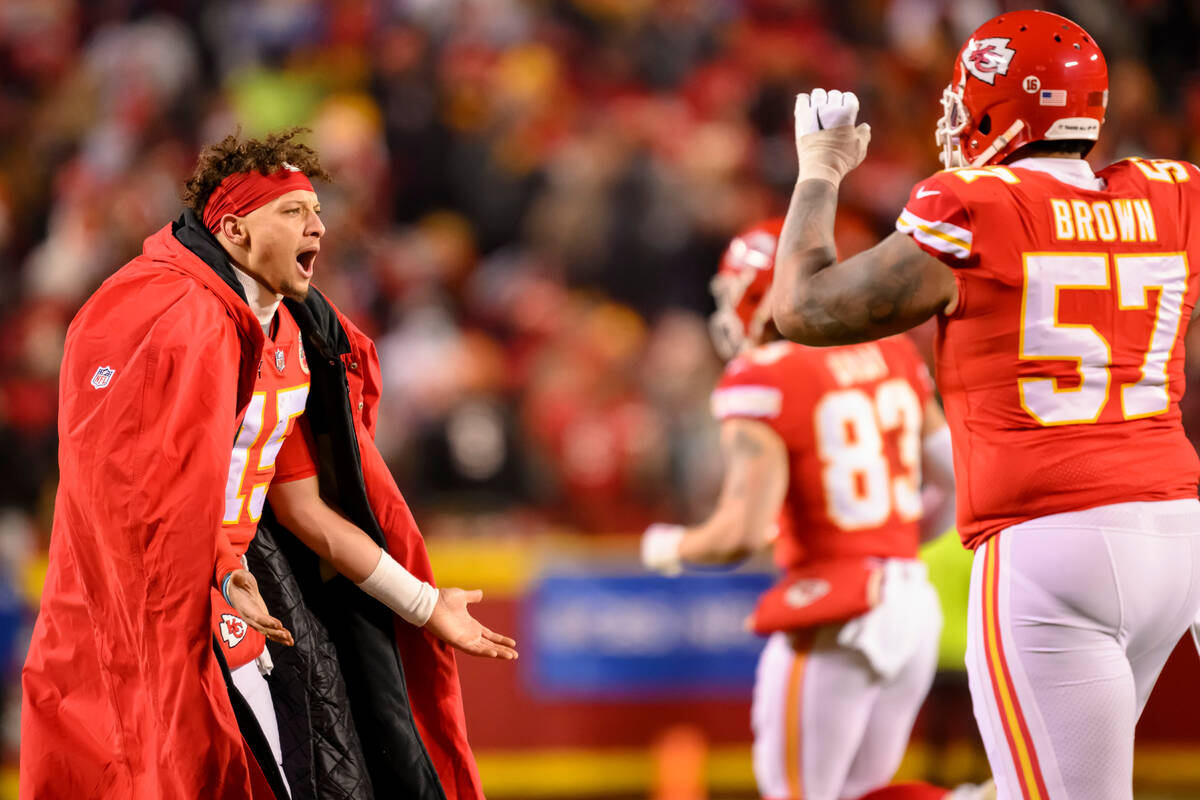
[
  {"x": 233, "y": 630},
  {"x": 987, "y": 58},
  {"x": 806, "y": 591}
]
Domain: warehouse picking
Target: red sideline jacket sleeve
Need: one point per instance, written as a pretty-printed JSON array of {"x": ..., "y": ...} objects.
[
  {"x": 122, "y": 694},
  {"x": 429, "y": 667},
  {"x": 227, "y": 557}
]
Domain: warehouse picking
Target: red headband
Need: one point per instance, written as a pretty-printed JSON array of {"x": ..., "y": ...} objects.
[{"x": 242, "y": 192}]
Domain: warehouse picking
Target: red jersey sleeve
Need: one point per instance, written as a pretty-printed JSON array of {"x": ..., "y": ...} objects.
[
  {"x": 938, "y": 221},
  {"x": 295, "y": 460},
  {"x": 748, "y": 390}
]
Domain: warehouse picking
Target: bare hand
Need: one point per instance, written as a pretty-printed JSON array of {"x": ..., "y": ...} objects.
[
  {"x": 453, "y": 624},
  {"x": 248, "y": 603}
]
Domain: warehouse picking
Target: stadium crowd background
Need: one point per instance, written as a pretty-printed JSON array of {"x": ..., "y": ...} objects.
[{"x": 530, "y": 198}]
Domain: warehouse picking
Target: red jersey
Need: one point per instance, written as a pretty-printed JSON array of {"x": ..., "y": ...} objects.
[
  {"x": 851, "y": 419},
  {"x": 264, "y": 452},
  {"x": 1061, "y": 368}
]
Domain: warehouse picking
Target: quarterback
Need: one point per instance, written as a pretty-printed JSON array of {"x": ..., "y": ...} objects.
[
  {"x": 272, "y": 458},
  {"x": 827, "y": 452},
  {"x": 1062, "y": 297},
  {"x": 182, "y": 378}
]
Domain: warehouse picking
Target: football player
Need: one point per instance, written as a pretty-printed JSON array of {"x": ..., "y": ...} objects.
[
  {"x": 1062, "y": 297},
  {"x": 273, "y": 461},
  {"x": 827, "y": 451},
  {"x": 123, "y": 695}
]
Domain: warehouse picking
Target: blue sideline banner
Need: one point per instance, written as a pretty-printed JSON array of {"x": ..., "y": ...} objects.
[{"x": 631, "y": 636}]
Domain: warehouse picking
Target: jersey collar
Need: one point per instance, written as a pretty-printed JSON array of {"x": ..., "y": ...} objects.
[
  {"x": 1073, "y": 171},
  {"x": 263, "y": 302}
]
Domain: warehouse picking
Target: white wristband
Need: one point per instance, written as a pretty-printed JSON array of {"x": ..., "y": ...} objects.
[
  {"x": 660, "y": 549},
  {"x": 398, "y": 589}
]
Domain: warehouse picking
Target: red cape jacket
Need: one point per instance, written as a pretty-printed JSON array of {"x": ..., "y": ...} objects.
[{"x": 122, "y": 693}]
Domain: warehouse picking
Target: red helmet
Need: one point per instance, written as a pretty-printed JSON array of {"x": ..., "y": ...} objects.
[
  {"x": 1022, "y": 77},
  {"x": 742, "y": 288}
]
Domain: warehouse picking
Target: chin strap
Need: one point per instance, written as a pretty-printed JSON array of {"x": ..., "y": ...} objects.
[{"x": 998, "y": 144}]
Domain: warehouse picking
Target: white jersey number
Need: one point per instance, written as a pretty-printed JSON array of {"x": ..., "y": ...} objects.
[
  {"x": 860, "y": 492},
  {"x": 1044, "y": 337},
  {"x": 289, "y": 404}
]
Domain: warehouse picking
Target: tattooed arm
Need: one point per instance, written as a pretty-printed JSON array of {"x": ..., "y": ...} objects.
[
  {"x": 756, "y": 479},
  {"x": 817, "y": 300}
]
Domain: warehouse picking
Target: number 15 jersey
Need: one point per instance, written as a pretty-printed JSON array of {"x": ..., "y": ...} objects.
[{"x": 1061, "y": 368}]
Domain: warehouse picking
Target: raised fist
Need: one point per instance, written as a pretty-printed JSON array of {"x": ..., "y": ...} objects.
[
  {"x": 828, "y": 143},
  {"x": 821, "y": 110}
]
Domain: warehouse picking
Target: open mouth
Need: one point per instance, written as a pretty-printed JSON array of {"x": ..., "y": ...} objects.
[{"x": 305, "y": 261}]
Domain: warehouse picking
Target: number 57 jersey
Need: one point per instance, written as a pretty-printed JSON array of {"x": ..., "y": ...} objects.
[{"x": 1061, "y": 367}]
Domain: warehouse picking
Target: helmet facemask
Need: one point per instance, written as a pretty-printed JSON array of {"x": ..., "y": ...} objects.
[
  {"x": 953, "y": 122},
  {"x": 731, "y": 336}
]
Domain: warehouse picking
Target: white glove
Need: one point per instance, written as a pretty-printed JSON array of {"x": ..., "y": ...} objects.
[
  {"x": 828, "y": 144},
  {"x": 822, "y": 110},
  {"x": 660, "y": 549}
]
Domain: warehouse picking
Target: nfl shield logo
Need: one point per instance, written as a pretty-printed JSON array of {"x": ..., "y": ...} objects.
[
  {"x": 102, "y": 377},
  {"x": 279, "y": 360}
]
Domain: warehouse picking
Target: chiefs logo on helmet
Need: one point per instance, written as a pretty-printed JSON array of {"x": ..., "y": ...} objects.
[{"x": 987, "y": 58}]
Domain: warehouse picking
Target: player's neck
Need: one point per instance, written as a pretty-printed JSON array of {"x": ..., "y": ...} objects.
[{"x": 263, "y": 302}]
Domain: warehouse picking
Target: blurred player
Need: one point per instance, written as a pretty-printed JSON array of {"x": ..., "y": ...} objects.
[
  {"x": 825, "y": 454},
  {"x": 1062, "y": 298}
]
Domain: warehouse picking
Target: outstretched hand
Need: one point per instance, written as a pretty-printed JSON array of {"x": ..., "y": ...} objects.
[
  {"x": 244, "y": 596},
  {"x": 453, "y": 624}
]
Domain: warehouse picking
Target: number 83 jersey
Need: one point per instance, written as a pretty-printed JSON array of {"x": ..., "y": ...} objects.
[
  {"x": 851, "y": 419},
  {"x": 1061, "y": 367}
]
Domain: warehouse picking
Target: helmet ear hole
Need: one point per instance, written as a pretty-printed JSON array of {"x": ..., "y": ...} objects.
[{"x": 985, "y": 124}]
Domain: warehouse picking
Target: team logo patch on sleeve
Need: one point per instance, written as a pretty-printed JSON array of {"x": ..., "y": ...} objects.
[
  {"x": 102, "y": 377},
  {"x": 233, "y": 630},
  {"x": 987, "y": 58}
]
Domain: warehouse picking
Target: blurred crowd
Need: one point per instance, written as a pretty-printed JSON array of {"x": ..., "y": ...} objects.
[{"x": 529, "y": 199}]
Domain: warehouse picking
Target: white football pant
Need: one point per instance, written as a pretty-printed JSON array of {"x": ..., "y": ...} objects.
[
  {"x": 250, "y": 682},
  {"x": 1072, "y": 617},
  {"x": 834, "y": 707}
]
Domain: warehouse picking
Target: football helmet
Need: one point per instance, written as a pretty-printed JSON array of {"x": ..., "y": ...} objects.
[
  {"x": 742, "y": 288},
  {"x": 1022, "y": 77}
]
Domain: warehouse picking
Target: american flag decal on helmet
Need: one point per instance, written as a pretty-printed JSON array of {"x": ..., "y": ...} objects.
[{"x": 1052, "y": 97}]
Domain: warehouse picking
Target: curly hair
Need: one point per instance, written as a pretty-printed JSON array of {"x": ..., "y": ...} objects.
[{"x": 231, "y": 155}]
